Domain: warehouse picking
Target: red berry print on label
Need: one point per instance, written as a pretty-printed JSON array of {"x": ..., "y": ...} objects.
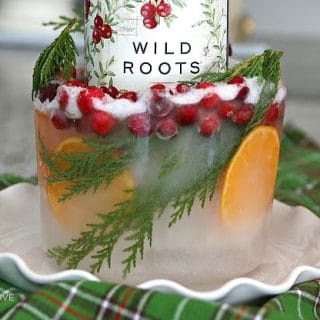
[
  {"x": 87, "y": 8},
  {"x": 164, "y": 10},
  {"x": 106, "y": 31},
  {"x": 148, "y": 10},
  {"x": 98, "y": 22},
  {"x": 96, "y": 36},
  {"x": 150, "y": 23}
]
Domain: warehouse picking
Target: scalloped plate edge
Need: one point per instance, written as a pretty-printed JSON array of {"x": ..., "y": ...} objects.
[{"x": 240, "y": 290}]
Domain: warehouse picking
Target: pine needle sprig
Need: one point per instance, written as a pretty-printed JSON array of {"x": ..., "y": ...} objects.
[
  {"x": 60, "y": 55},
  {"x": 64, "y": 21}
]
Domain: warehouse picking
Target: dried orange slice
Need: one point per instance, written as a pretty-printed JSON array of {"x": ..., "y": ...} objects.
[
  {"x": 74, "y": 214},
  {"x": 248, "y": 185}
]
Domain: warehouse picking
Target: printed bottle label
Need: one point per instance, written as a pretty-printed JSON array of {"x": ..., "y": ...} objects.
[{"x": 133, "y": 43}]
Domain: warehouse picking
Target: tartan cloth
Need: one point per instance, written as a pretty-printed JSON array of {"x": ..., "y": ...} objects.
[{"x": 85, "y": 300}]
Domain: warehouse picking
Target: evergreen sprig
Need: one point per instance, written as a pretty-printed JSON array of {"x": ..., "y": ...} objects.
[
  {"x": 60, "y": 56},
  {"x": 64, "y": 21}
]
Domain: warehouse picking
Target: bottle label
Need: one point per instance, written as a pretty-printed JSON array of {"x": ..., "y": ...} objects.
[{"x": 132, "y": 43}]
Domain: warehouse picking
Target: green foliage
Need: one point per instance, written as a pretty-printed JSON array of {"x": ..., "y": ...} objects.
[
  {"x": 7, "y": 180},
  {"x": 64, "y": 21},
  {"x": 59, "y": 56}
]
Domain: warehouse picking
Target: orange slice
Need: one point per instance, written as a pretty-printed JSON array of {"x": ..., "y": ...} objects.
[
  {"x": 74, "y": 214},
  {"x": 248, "y": 186}
]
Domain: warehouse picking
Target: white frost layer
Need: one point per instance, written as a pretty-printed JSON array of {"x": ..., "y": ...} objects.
[
  {"x": 123, "y": 108},
  {"x": 281, "y": 94}
]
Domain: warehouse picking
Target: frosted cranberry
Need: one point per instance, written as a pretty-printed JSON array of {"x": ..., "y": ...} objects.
[
  {"x": 273, "y": 113},
  {"x": 226, "y": 110},
  {"x": 75, "y": 83},
  {"x": 182, "y": 88},
  {"x": 111, "y": 91},
  {"x": 96, "y": 36},
  {"x": 140, "y": 124},
  {"x": 243, "y": 93},
  {"x": 210, "y": 101},
  {"x": 63, "y": 98},
  {"x": 85, "y": 99},
  {"x": 158, "y": 91},
  {"x": 167, "y": 128},
  {"x": 60, "y": 121},
  {"x": 243, "y": 114},
  {"x": 148, "y": 10},
  {"x": 209, "y": 125},
  {"x": 48, "y": 92},
  {"x": 236, "y": 80},
  {"x": 186, "y": 115},
  {"x": 150, "y": 23},
  {"x": 106, "y": 31},
  {"x": 98, "y": 22},
  {"x": 102, "y": 123},
  {"x": 205, "y": 85},
  {"x": 164, "y": 10},
  {"x": 129, "y": 95}
]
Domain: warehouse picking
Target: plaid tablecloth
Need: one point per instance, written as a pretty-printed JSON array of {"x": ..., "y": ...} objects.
[{"x": 86, "y": 300}]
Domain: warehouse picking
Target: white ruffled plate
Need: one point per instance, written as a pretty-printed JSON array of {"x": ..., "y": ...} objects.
[{"x": 292, "y": 257}]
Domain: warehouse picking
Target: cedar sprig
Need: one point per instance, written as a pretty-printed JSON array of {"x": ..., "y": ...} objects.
[{"x": 60, "y": 56}]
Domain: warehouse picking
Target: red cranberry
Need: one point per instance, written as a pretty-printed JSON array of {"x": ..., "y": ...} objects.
[
  {"x": 106, "y": 31},
  {"x": 167, "y": 128},
  {"x": 96, "y": 36},
  {"x": 129, "y": 95},
  {"x": 186, "y": 115},
  {"x": 48, "y": 92},
  {"x": 204, "y": 85},
  {"x": 75, "y": 83},
  {"x": 148, "y": 10},
  {"x": 150, "y": 23},
  {"x": 60, "y": 121},
  {"x": 85, "y": 99},
  {"x": 243, "y": 114},
  {"x": 158, "y": 91},
  {"x": 164, "y": 10},
  {"x": 209, "y": 125},
  {"x": 243, "y": 93},
  {"x": 63, "y": 98},
  {"x": 182, "y": 88},
  {"x": 210, "y": 101},
  {"x": 272, "y": 114},
  {"x": 98, "y": 22},
  {"x": 140, "y": 124},
  {"x": 102, "y": 123},
  {"x": 226, "y": 110},
  {"x": 236, "y": 80},
  {"x": 111, "y": 91}
]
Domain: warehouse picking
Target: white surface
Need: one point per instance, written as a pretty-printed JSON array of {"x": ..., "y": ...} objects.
[{"x": 294, "y": 243}]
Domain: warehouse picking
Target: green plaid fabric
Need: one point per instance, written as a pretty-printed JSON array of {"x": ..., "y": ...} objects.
[{"x": 87, "y": 300}]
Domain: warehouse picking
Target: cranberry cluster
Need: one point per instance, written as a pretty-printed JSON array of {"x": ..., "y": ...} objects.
[
  {"x": 101, "y": 30},
  {"x": 152, "y": 13},
  {"x": 163, "y": 117}
]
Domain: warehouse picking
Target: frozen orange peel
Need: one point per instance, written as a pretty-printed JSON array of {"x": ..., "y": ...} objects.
[
  {"x": 254, "y": 164},
  {"x": 74, "y": 214}
]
